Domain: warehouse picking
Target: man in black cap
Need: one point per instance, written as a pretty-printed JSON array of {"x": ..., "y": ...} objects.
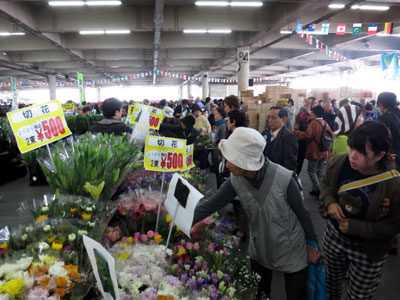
[{"x": 316, "y": 158}]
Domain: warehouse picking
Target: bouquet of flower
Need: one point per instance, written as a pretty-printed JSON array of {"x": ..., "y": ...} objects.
[
  {"x": 142, "y": 269},
  {"x": 91, "y": 166},
  {"x": 46, "y": 279},
  {"x": 203, "y": 142}
]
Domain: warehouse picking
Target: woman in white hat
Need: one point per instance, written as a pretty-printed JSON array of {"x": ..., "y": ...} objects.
[{"x": 279, "y": 222}]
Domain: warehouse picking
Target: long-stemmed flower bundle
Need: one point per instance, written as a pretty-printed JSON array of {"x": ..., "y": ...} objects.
[{"x": 92, "y": 166}]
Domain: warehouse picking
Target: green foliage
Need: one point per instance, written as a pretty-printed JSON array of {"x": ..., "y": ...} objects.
[
  {"x": 5, "y": 130},
  {"x": 90, "y": 161},
  {"x": 80, "y": 124}
]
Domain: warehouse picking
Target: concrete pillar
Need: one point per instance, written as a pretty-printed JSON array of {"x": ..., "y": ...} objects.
[
  {"x": 180, "y": 92},
  {"x": 243, "y": 57},
  {"x": 52, "y": 87},
  {"x": 98, "y": 89},
  {"x": 205, "y": 85},
  {"x": 189, "y": 88}
]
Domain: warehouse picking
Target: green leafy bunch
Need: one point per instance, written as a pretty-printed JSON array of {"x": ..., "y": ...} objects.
[
  {"x": 92, "y": 166},
  {"x": 80, "y": 124},
  {"x": 5, "y": 130}
]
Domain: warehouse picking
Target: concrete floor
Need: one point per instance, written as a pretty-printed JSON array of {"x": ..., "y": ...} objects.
[{"x": 13, "y": 193}]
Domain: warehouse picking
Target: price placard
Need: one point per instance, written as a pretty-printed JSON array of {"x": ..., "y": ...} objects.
[
  {"x": 38, "y": 125},
  {"x": 156, "y": 114},
  {"x": 165, "y": 154},
  {"x": 189, "y": 156},
  {"x": 68, "y": 108}
]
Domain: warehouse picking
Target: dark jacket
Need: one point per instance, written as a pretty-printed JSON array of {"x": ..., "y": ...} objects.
[
  {"x": 391, "y": 119},
  {"x": 179, "y": 109},
  {"x": 110, "y": 126},
  {"x": 178, "y": 132},
  {"x": 382, "y": 222},
  {"x": 283, "y": 149}
]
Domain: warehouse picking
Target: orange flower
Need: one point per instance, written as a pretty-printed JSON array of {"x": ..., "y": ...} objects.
[
  {"x": 45, "y": 280},
  {"x": 60, "y": 292},
  {"x": 41, "y": 218},
  {"x": 38, "y": 271},
  {"x": 73, "y": 273},
  {"x": 61, "y": 282}
]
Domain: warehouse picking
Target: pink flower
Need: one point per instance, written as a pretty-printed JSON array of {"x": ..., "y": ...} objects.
[
  {"x": 115, "y": 236},
  {"x": 196, "y": 246},
  {"x": 150, "y": 234},
  {"x": 136, "y": 235},
  {"x": 143, "y": 237},
  {"x": 208, "y": 221},
  {"x": 189, "y": 246},
  {"x": 183, "y": 242},
  {"x": 211, "y": 246}
]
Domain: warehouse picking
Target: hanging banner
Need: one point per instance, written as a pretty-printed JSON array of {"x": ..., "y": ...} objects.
[
  {"x": 38, "y": 125},
  {"x": 68, "y": 108},
  {"x": 165, "y": 154},
  {"x": 14, "y": 92},
  {"x": 81, "y": 87},
  {"x": 390, "y": 65}
]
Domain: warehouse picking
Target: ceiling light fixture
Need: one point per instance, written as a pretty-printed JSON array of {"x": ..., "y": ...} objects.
[
  {"x": 212, "y": 3},
  {"x": 66, "y": 3},
  {"x": 246, "y": 4},
  {"x": 11, "y": 33},
  {"x": 103, "y": 3},
  {"x": 219, "y": 31},
  {"x": 370, "y": 7},
  {"x": 336, "y": 6},
  {"x": 194, "y": 31},
  {"x": 86, "y": 32},
  {"x": 118, "y": 31}
]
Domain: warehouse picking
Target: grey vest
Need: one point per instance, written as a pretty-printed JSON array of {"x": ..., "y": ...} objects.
[{"x": 277, "y": 240}]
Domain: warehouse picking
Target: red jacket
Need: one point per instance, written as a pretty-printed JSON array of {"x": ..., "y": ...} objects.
[{"x": 313, "y": 135}]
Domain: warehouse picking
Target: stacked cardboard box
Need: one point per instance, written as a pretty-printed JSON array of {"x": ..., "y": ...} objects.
[
  {"x": 253, "y": 118},
  {"x": 248, "y": 93},
  {"x": 262, "y": 120}
]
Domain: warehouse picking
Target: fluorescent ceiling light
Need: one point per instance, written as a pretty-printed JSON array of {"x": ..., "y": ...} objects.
[
  {"x": 11, "y": 33},
  {"x": 100, "y": 3},
  {"x": 212, "y": 3},
  {"x": 66, "y": 3},
  {"x": 219, "y": 31},
  {"x": 248, "y": 4},
  {"x": 286, "y": 31},
  {"x": 91, "y": 32},
  {"x": 336, "y": 5},
  {"x": 194, "y": 31},
  {"x": 118, "y": 31},
  {"x": 370, "y": 7}
]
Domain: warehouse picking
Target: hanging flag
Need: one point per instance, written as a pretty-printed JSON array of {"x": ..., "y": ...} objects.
[
  {"x": 388, "y": 28},
  {"x": 341, "y": 29},
  {"x": 311, "y": 27},
  {"x": 307, "y": 38},
  {"x": 299, "y": 27},
  {"x": 342, "y": 58},
  {"x": 334, "y": 54},
  {"x": 327, "y": 50},
  {"x": 330, "y": 53},
  {"x": 310, "y": 40},
  {"x": 357, "y": 28},
  {"x": 325, "y": 28},
  {"x": 322, "y": 47},
  {"x": 316, "y": 43},
  {"x": 372, "y": 28}
]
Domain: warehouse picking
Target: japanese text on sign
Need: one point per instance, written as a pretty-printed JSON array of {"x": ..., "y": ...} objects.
[
  {"x": 156, "y": 114},
  {"x": 68, "y": 108},
  {"x": 38, "y": 125},
  {"x": 189, "y": 156},
  {"x": 165, "y": 154}
]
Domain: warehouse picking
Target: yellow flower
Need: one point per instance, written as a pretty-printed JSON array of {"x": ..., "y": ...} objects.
[
  {"x": 181, "y": 252},
  {"x": 52, "y": 239},
  {"x": 125, "y": 247},
  {"x": 12, "y": 287},
  {"x": 56, "y": 246},
  {"x": 177, "y": 229},
  {"x": 158, "y": 238},
  {"x": 86, "y": 216},
  {"x": 4, "y": 245},
  {"x": 72, "y": 210},
  {"x": 48, "y": 260},
  {"x": 124, "y": 256},
  {"x": 130, "y": 239},
  {"x": 168, "y": 219},
  {"x": 41, "y": 218}
]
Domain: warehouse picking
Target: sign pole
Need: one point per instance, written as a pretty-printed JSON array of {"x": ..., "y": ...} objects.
[
  {"x": 160, "y": 201},
  {"x": 172, "y": 226}
]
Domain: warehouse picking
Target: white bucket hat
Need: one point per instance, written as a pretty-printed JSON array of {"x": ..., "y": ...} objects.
[
  {"x": 168, "y": 112},
  {"x": 244, "y": 148}
]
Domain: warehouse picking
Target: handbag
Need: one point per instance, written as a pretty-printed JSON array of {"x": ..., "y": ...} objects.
[{"x": 316, "y": 278}]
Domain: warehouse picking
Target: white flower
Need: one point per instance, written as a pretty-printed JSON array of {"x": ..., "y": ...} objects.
[
  {"x": 43, "y": 246},
  {"x": 82, "y": 232},
  {"x": 24, "y": 237},
  {"x": 89, "y": 209},
  {"x": 220, "y": 274},
  {"x": 29, "y": 229},
  {"x": 71, "y": 237},
  {"x": 57, "y": 270},
  {"x": 231, "y": 292},
  {"x": 4, "y": 296},
  {"x": 29, "y": 281},
  {"x": 91, "y": 224},
  {"x": 47, "y": 228},
  {"x": 45, "y": 209}
]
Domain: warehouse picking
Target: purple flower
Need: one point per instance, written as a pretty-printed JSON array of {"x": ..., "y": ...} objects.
[
  {"x": 214, "y": 278},
  {"x": 191, "y": 272},
  {"x": 197, "y": 265},
  {"x": 149, "y": 294},
  {"x": 191, "y": 283},
  {"x": 200, "y": 281},
  {"x": 213, "y": 292},
  {"x": 226, "y": 277},
  {"x": 225, "y": 298},
  {"x": 184, "y": 278},
  {"x": 205, "y": 268},
  {"x": 125, "y": 297},
  {"x": 172, "y": 280}
]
